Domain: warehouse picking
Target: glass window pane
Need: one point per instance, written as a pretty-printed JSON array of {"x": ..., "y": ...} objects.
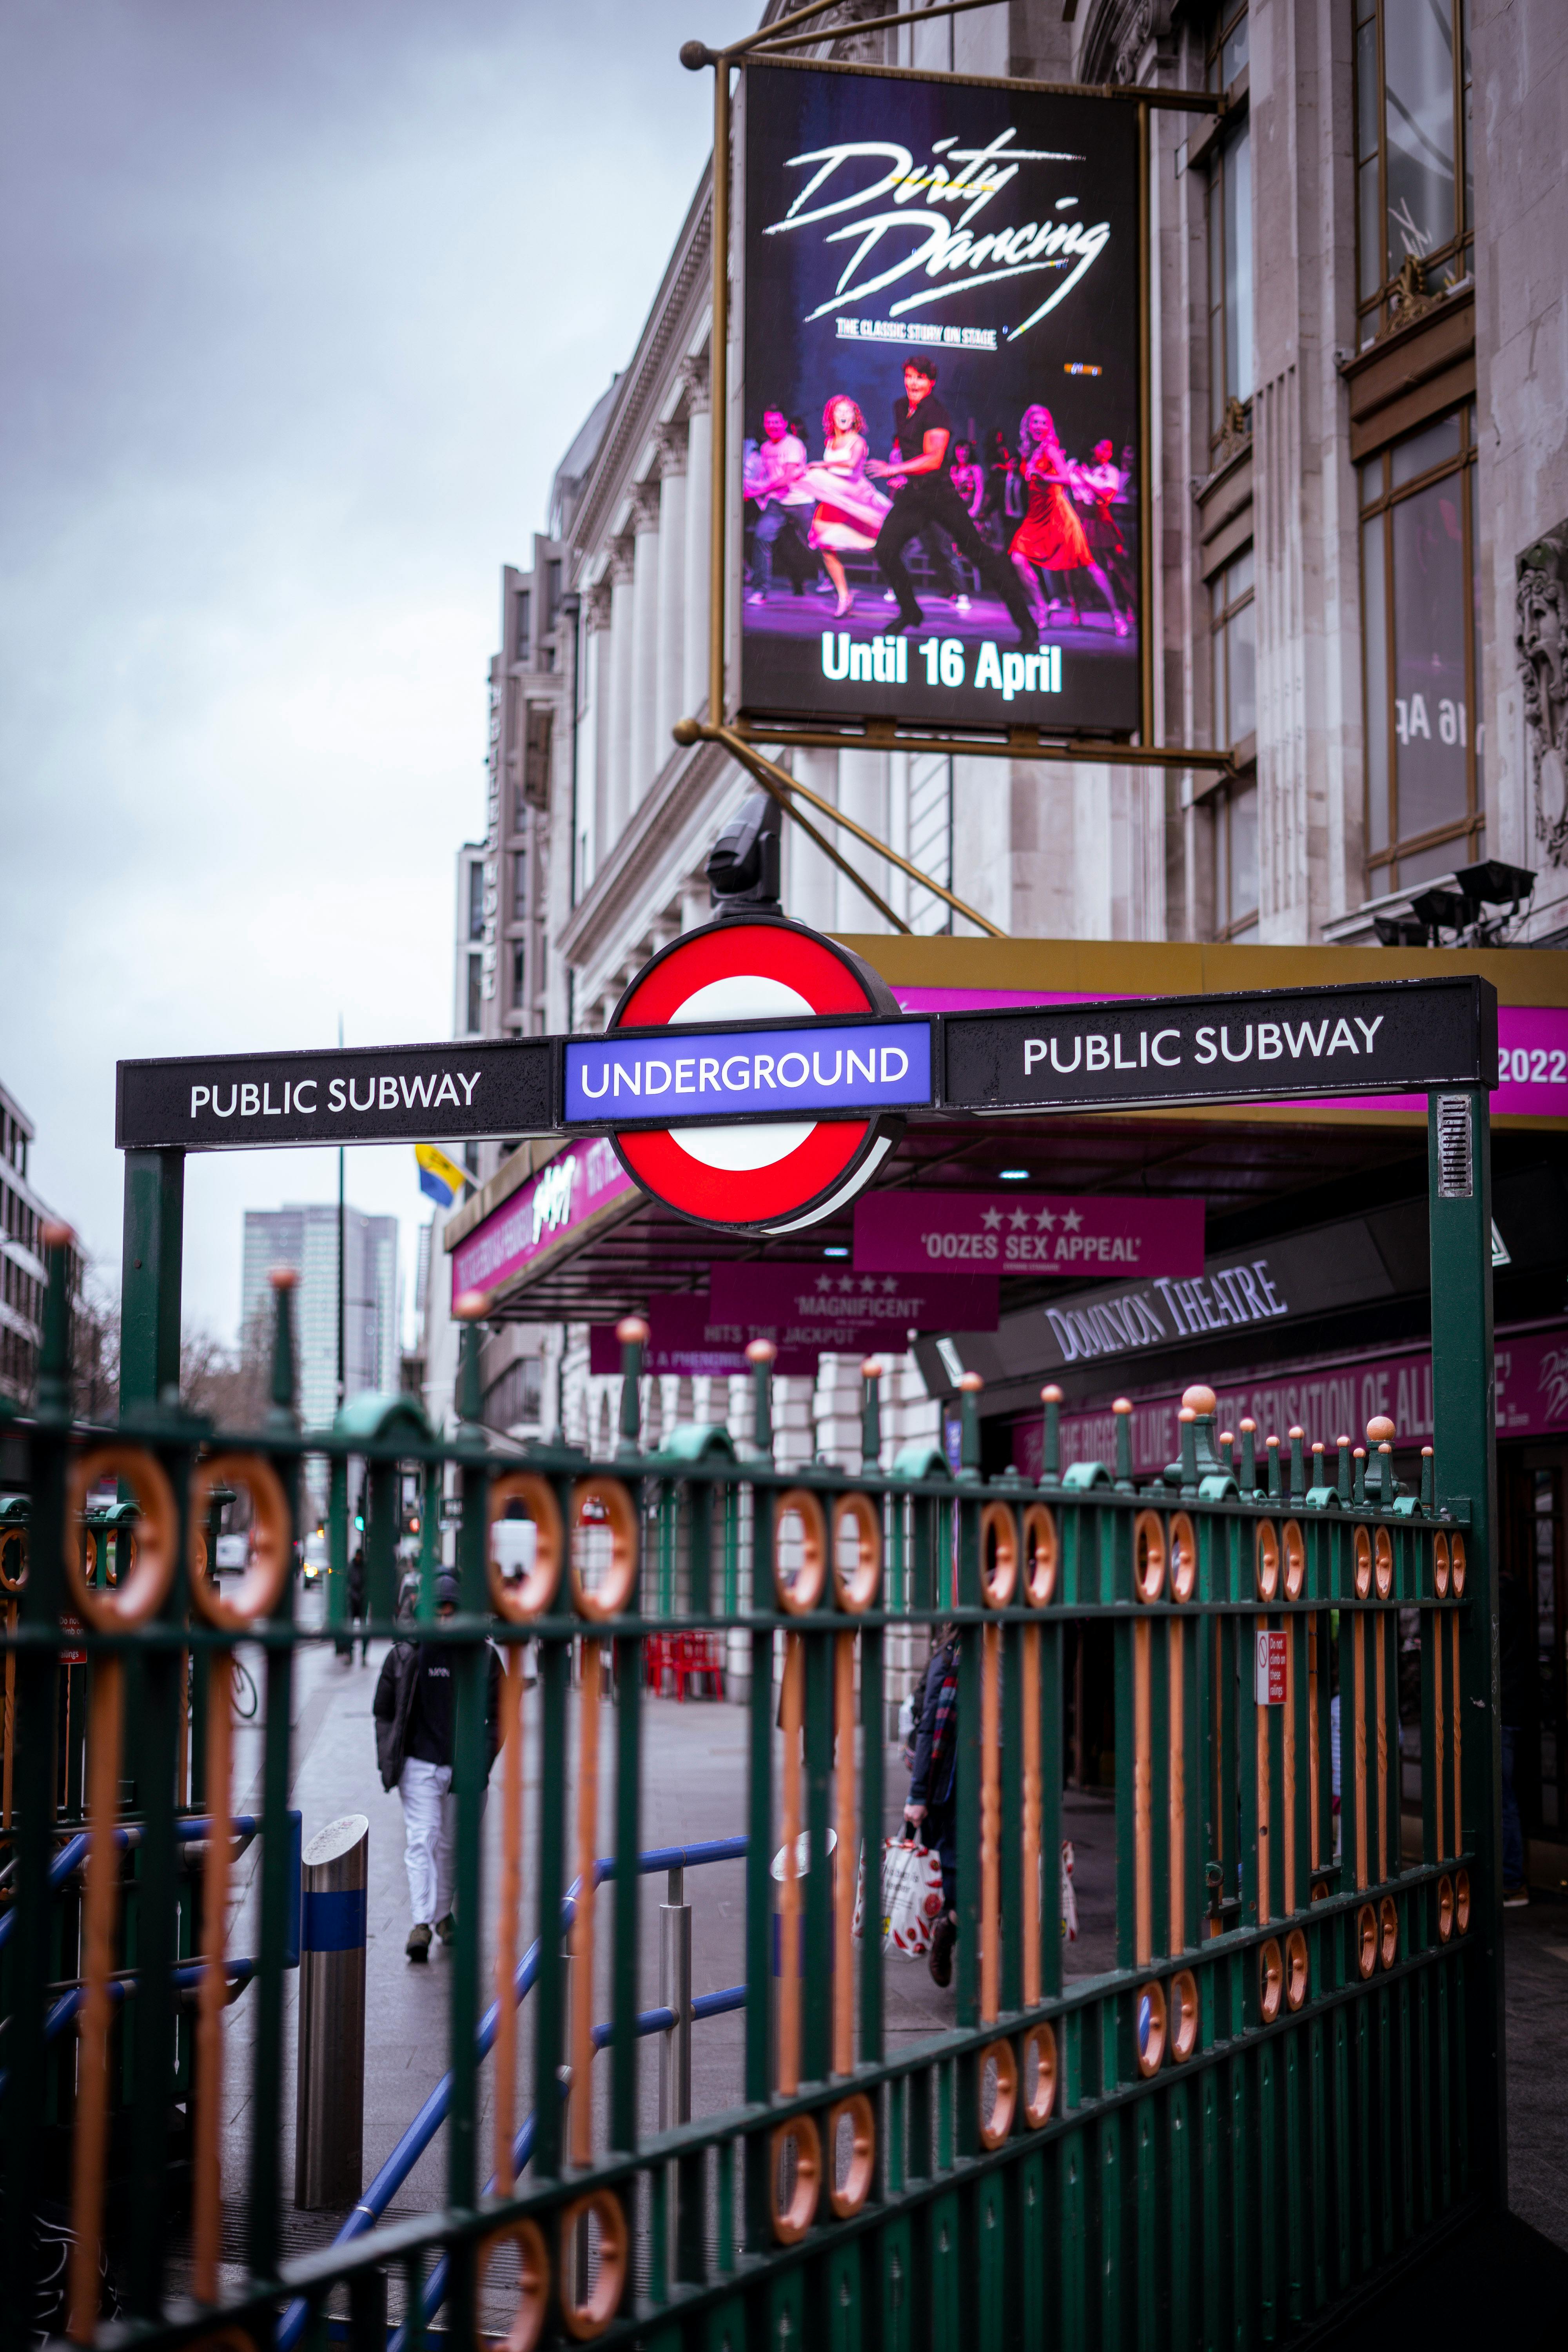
[
  {"x": 1217, "y": 297},
  {"x": 1372, "y": 481},
  {"x": 1374, "y": 662},
  {"x": 1366, "y": 91},
  {"x": 1418, "y": 125},
  {"x": 1244, "y": 853},
  {"x": 1221, "y": 864},
  {"x": 1477, "y": 718},
  {"x": 1370, "y": 229},
  {"x": 1233, "y": 56},
  {"x": 1428, "y": 864},
  {"x": 1241, "y": 665},
  {"x": 1422, "y": 451},
  {"x": 1431, "y": 597},
  {"x": 1239, "y": 268},
  {"x": 1239, "y": 576}
]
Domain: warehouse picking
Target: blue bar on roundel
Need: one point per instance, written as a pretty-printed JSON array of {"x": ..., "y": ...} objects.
[{"x": 687, "y": 1075}]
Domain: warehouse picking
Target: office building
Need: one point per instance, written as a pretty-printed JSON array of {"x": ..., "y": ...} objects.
[{"x": 306, "y": 1238}]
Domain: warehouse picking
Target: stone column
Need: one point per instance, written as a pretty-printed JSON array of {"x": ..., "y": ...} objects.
[
  {"x": 862, "y": 794},
  {"x": 809, "y": 881},
  {"x": 647, "y": 753},
  {"x": 669, "y": 705},
  {"x": 619, "y": 795},
  {"x": 593, "y": 735},
  {"x": 698, "y": 508}
]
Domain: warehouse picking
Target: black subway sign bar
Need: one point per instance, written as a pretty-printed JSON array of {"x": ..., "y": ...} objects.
[
  {"x": 1275, "y": 1046},
  {"x": 1279, "y": 1044},
  {"x": 384, "y": 1094}
]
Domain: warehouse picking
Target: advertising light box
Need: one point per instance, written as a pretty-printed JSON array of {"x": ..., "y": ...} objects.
[{"x": 940, "y": 468}]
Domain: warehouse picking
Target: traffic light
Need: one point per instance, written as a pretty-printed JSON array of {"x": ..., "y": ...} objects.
[
  {"x": 414, "y": 1524},
  {"x": 359, "y": 1522}
]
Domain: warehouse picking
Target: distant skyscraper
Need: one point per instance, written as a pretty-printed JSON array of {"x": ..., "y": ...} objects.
[{"x": 306, "y": 1238}]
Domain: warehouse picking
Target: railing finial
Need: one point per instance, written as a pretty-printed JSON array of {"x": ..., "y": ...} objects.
[
  {"x": 1248, "y": 1479},
  {"x": 761, "y": 1355},
  {"x": 55, "y": 1357},
  {"x": 871, "y": 1414},
  {"x": 1051, "y": 1447},
  {"x": 283, "y": 1280},
  {"x": 968, "y": 1389},
  {"x": 1122, "y": 1409},
  {"x": 631, "y": 1333}
]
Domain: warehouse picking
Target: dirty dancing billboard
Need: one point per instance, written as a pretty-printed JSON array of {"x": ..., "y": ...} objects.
[{"x": 940, "y": 466}]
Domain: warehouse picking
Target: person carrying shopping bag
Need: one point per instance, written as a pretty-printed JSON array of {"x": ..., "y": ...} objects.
[{"x": 931, "y": 1806}]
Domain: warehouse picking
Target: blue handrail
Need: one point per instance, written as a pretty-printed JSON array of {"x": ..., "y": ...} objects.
[{"x": 433, "y": 2113}]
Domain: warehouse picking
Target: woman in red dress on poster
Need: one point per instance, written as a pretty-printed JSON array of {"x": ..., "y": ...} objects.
[
  {"x": 850, "y": 509},
  {"x": 1051, "y": 537}
]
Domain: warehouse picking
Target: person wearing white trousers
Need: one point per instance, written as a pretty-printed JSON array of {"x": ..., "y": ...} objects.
[
  {"x": 413, "y": 1719},
  {"x": 430, "y": 1834}
]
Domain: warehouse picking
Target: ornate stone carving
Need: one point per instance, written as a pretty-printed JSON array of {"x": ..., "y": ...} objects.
[
  {"x": 671, "y": 441},
  {"x": 622, "y": 562},
  {"x": 597, "y": 605},
  {"x": 1409, "y": 297},
  {"x": 1541, "y": 641},
  {"x": 644, "y": 507},
  {"x": 1236, "y": 432},
  {"x": 694, "y": 377}
]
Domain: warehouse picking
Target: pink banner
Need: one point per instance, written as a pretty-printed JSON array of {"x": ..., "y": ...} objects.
[
  {"x": 547, "y": 1210},
  {"x": 684, "y": 1337},
  {"x": 807, "y": 1306},
  {"x": 1532, "y": 1046},
  {"x": 1027, "y": 1232},
  {"x": 1328, "y": 1400}
]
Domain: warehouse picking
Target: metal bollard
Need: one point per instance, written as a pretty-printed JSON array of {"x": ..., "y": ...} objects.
[
  {"x": 329, "y": 2114},
  {"x": 675, "y": 1992}
]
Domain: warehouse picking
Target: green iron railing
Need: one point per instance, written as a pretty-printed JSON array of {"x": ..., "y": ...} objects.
[{"x": 1287, "y": 2082}]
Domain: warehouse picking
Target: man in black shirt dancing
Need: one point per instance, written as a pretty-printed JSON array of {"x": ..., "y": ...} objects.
[{"x": 925, "y": 499}]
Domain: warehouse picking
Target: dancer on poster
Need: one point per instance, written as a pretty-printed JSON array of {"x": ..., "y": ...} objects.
[
  {"x": 1102, "y": 488},
  {"x": 775, "y": 482},
  {"x": 1051, "y": 539},
  {"x": 850, "y": 510},
  {"x": 924, "y": 496}
]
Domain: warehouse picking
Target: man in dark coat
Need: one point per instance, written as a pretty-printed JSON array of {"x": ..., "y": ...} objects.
[
  {"x": 413, "y": 1715},
  {"x": 932, "y": 1803}
]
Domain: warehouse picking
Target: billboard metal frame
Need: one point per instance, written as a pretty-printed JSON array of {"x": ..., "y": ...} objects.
[{"x": 736, "y": 735}]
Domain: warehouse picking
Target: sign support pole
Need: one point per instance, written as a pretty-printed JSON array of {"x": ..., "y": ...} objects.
[
  {"x": 150, "y": 1276},
  {"x": 1464, "y": 1412}
]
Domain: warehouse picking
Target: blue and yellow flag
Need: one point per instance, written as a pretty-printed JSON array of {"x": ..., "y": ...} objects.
[{"x": 440, "y": 1178}]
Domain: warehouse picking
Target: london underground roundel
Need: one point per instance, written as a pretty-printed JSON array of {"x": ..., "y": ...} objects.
[{"x": 773, "y": 1176}]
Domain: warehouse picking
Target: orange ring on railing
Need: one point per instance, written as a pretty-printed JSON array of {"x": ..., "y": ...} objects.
[
  {"x": 1270, "y": 1980},
  {"x": 265, "y": 1578},
  {"x": 118, "y": 1607},
  {"x": 1383, "y": 1563},
  {"x": 1388, "y": 1931},
  {"x": 1296, "y": 1968},
  {"x": 1148, "y": 1555},
  {"x": 1266, "y": 1560},
  {"x": 532, "y": 2286},
  {"x": 1038, "y": 1542},
  {"x": 805, "y": 1593},
  {"x": 858, "y": 1593},
  {"x": 1152, "y": 2050},
  {"x": 994, "y": 2128},
  {"x": 792, "y": 2223},
  {"x": 1183, "y": 1538},
  {"x": 1440, "y": 1565},
  {"x": 17, "y": 1536},
  {"x": 1294, "y": 1544},
  {"x": 585, "y": 2320},
  {"x": 1183, "y": 2007},
  {"x": 1462, "y": 1900},
  {"x": 998, "y": 1521},
  {"x": 1362, "y": 1563},
  {"x": 614, "y": 1593},
  {"x": 520, "y": 1605},
  {"x": 1366, "y": 1939},
  {"x": 1445, "y": 1908},
  {"x": 1456, "y": 1548},
  {"x": 857, "y": 2187},
  {"x": 1039, "y": 2103}
]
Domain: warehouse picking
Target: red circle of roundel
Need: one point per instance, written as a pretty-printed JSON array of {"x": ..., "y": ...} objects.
[
  {"x": 771, "y": 950},
  {"x": 654, "y": 1156}
]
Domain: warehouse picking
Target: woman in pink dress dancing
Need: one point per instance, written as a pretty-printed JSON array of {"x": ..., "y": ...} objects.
[
  {"x": 850, "y": 509},
  {"x": 1051, "y": 537}
]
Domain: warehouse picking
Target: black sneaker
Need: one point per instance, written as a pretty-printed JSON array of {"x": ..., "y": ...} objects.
[
  {"x": 940, "y": 1958},
  {"x": 446, "y": 1929},
  {"x": 417, "y": 1948}
]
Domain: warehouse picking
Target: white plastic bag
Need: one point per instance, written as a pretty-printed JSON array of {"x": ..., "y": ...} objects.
[
  {"x": 1069, "y": 1906},
  {"x": 911, "y": 1896}
]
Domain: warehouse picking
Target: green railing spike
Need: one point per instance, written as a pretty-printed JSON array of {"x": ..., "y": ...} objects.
[
  {"x": 968, "y": 1389},
  {"x": 760, "y": 1355},
  {"x": 55, "y": 1357},
  {"x": 1186, "y": 1431},
  {"x": 870, "y": 1414},
  {"x": 1342, "y": 1467},
  {"x": 1320, "y": 1475},
  {"x": 1122, "y": 1409},
  {"x": 1380, "y": 1460},
  {"x": 1298, "y": 1466},
  {"x": 467, "y": 1310},
  {"x": 283, "y": 1280},
  {"x": 1275, "y": 1489},
  {"x": 1248, "y": 1478},
  {"x": 1359, "y": 1489},
  {"x": 631, "y": 1333},
  {"x": 1051, "y": 1444},
  {"x": 1427, "y": 1478}
]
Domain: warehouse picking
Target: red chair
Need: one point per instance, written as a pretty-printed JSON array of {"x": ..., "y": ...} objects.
[{"x": 698, "y": 1654}]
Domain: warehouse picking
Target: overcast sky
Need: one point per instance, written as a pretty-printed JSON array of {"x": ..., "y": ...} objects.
[{"x": 300, "y": 305}]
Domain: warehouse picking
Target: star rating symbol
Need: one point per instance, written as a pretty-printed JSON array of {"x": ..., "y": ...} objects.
[
  {"x": 1019, "y": 1221},
  {"x": 824, "y": 1282},
  {"x": 847, "y": 1285},
  {"x": 890, "y": 1285},
  {"x": 991, "y": 1220},
  {"x": 868, "y": 1285},
  {"x": 1071, "y": 1221},
  {"x": 1045, "y": 1219}
]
